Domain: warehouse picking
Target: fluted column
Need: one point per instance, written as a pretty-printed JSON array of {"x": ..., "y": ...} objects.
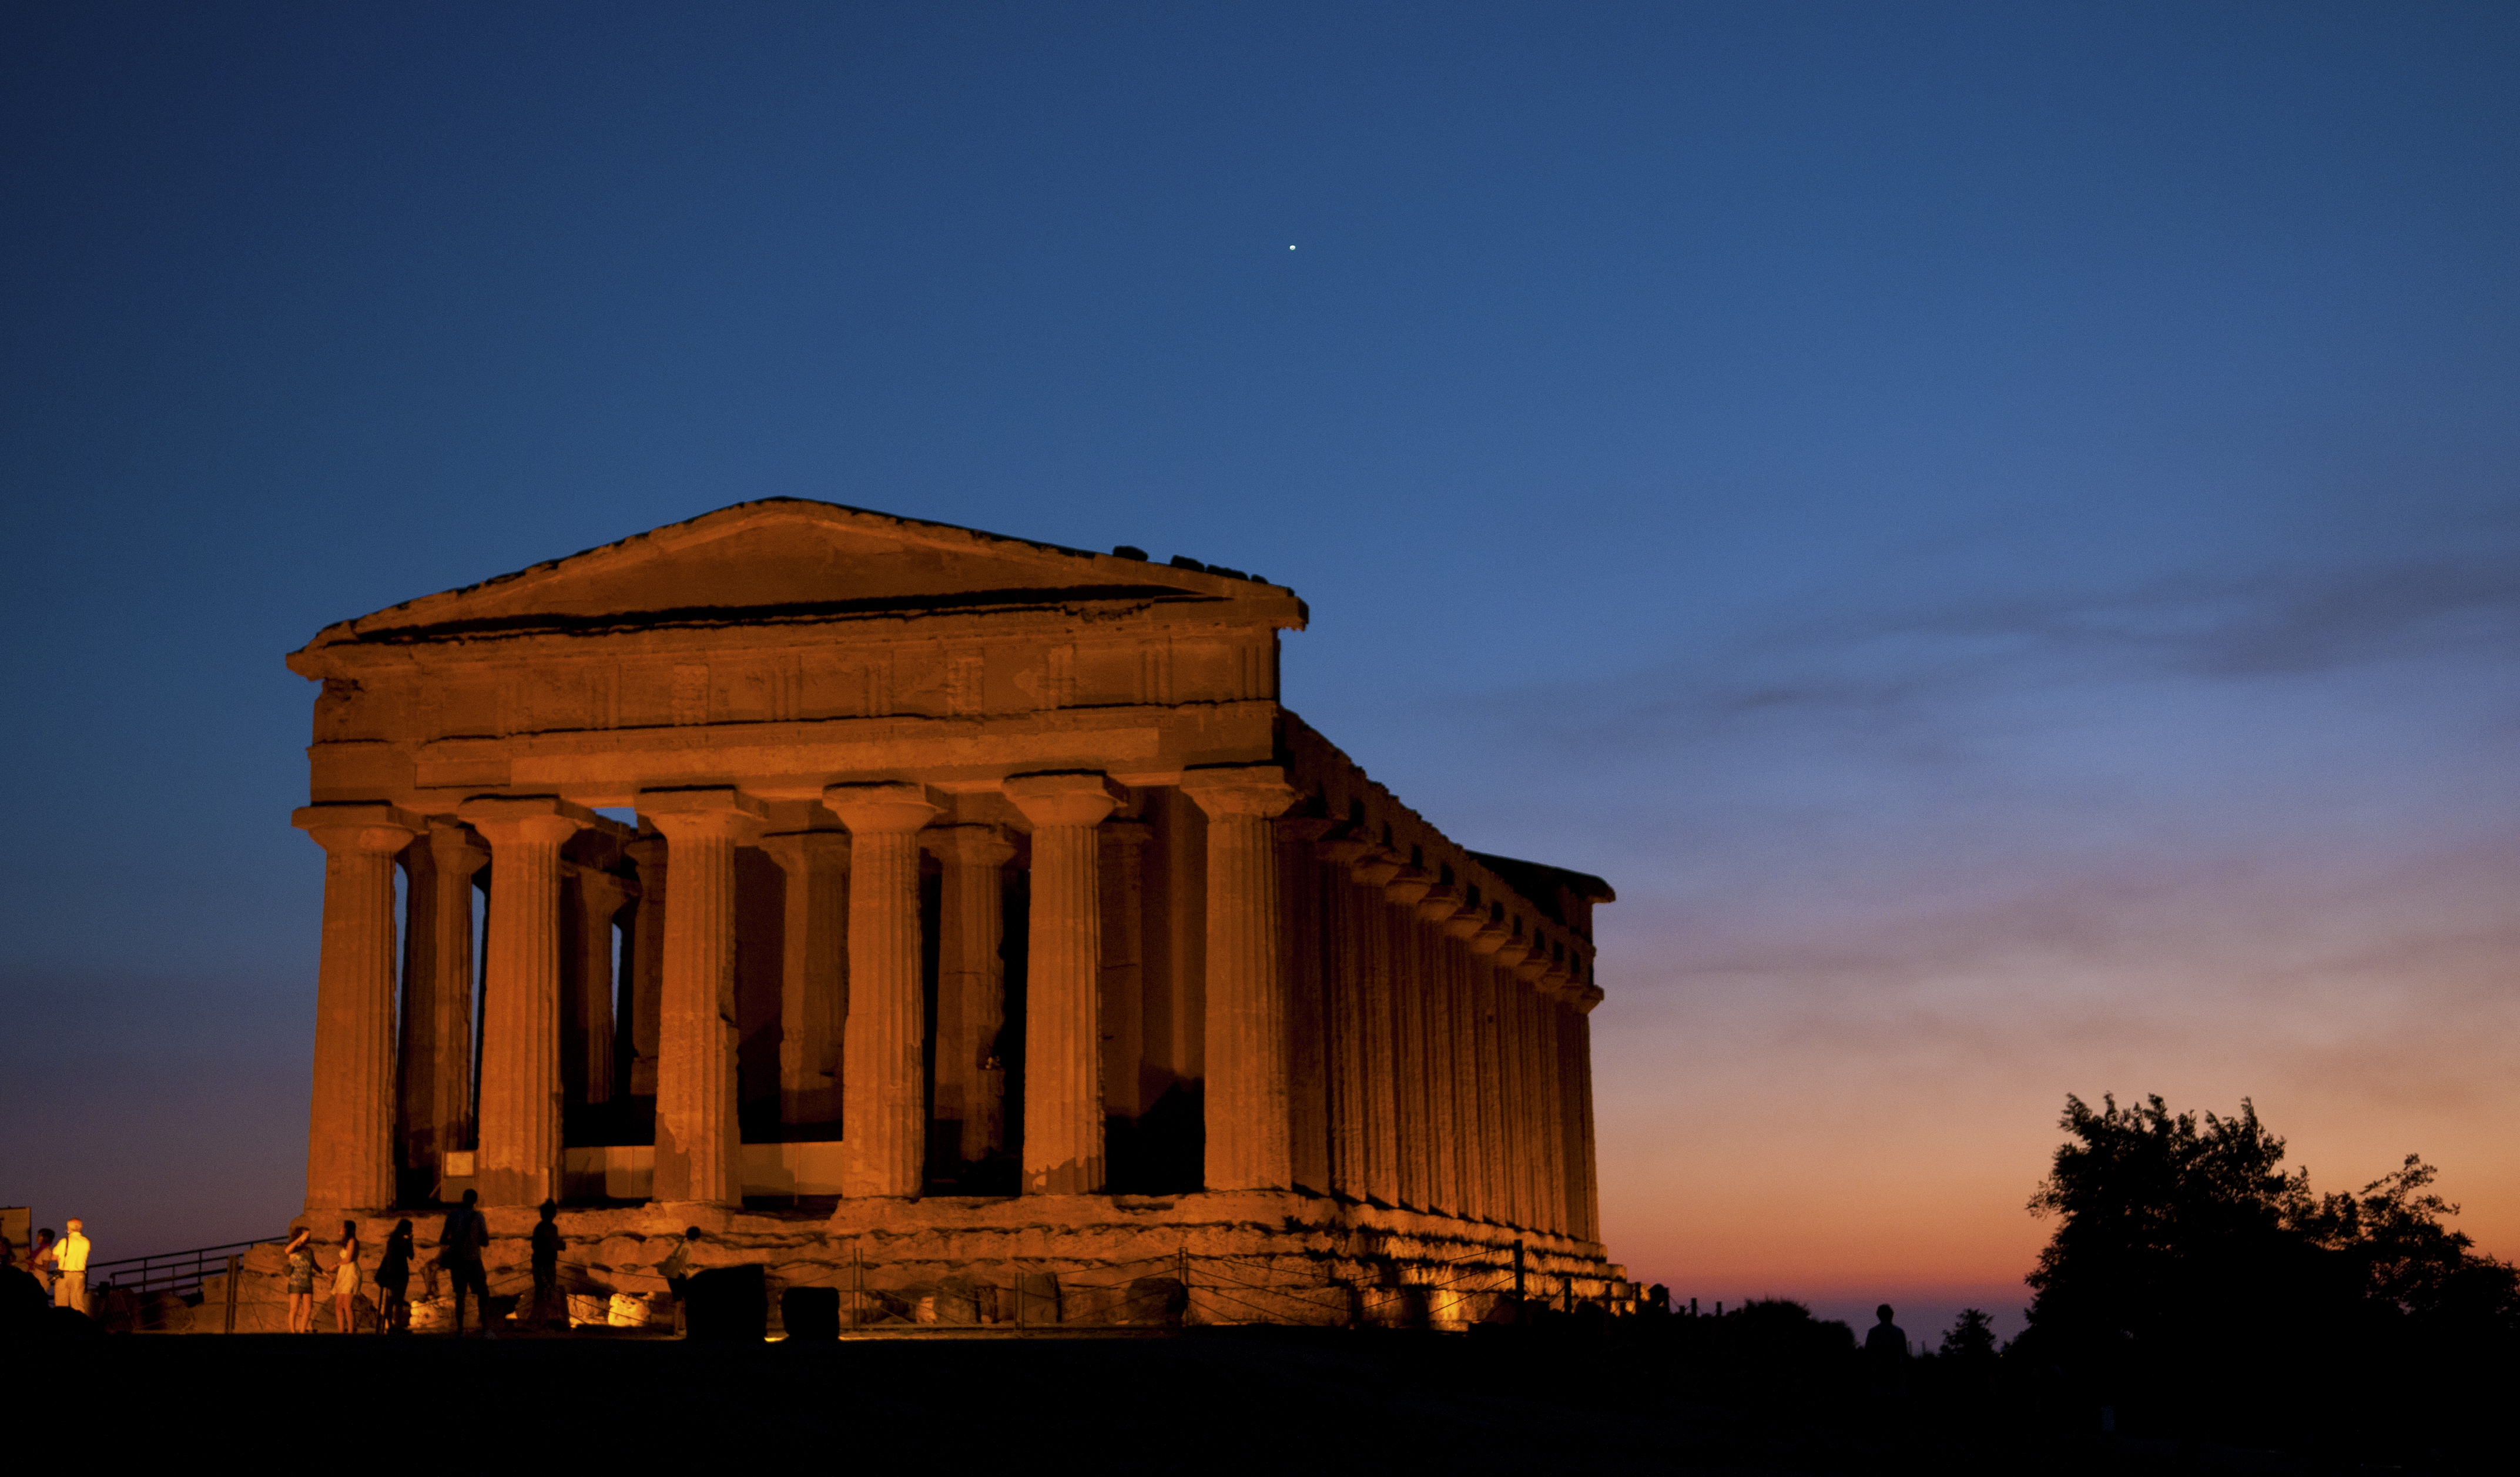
[
  {"x": 647, "y": 987},
  {"x": 813, "y": 971},
  {"x": 588, "y": 1045},
  {"x": 1371, "y": 942},
  {"x": 349, "y": 1139},
  {"x": 1480, "y": 989},
  {"x": 883, "y": 1111},
  {"x": 1450, "y": 922},
  {"x": 1062, "y": 1139},
  {"x": 518, "y": 1161},
  {"x": 1351, "y": 1064},
  {"x": 1124, "y": 967},
  {"x": 437, "y": 1054},
  {"x": 970, "y": 986},
  {"x": 1308, "y": 999},
  {"x": 1590, "y": 1182},
  {"x": 699, "y": 1149},
  {"x": 1513, "y": 1084},
  {"x": 1409, "y": 1037},
  {"x": 1249, "y": 1133}
]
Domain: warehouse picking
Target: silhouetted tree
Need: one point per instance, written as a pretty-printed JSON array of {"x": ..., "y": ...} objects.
[
  {"x": 2191, "y": 1277},
  {"x": 1970, "y": 1339}
]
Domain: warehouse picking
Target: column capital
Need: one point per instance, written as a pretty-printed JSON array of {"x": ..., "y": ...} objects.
[
  {"x": 1077, "y": 798},
  {"x": 458, "y": 850},
  {"x": 1239, "y": 789},
  {"x": 601, "y": 887},
  {"x": 1407, "y": 885},
  {"x": 1586, "y": 998},
  {"x": 1489, "y": 938},
  {"x": 702, "y": 812},
  {"x": 970, "y": 845},
  {"x": 883, "y": 807},
  {"x": 792, "y": 849},
  {"x": 1377, "y": 867},
  {"x": 1343, "y": 850},
  {"x": 375, "y": 830},
  {"x": 511, "y": 819},
  {"x": 1511, "y": 952},
  {"x": 1439, "y": 903},
  {"x": 1465, "y": 922}
]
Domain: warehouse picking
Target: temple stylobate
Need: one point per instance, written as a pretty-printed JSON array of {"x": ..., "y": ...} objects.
[{"x": 800, "y": 865}]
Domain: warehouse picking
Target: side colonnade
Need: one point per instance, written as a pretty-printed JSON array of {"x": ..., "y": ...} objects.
[{"x": 1369, "y": 1026}]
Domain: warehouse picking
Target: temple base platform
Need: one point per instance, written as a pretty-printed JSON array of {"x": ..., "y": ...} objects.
[{"x": 1035, "y": 1261}]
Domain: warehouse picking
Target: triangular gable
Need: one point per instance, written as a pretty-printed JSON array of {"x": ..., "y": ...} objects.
[{"x": 789, "y": 558}]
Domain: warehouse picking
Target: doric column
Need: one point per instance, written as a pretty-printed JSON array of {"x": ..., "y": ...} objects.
[
  {"x": 1514, "y": 1120},
  {"x": 970, "y": 985},
  {"x": 518, "y": 1161},
  {"x": 1124, "y": 967},
  {"x": 1308, "y": 1010},
  {"x": 1494, "y": 1178},
  {"x": 437, "y": 996},
  {"x": 1434, "y": 908},
  {"x": 884, "y": 1112},
  {"x": 1062, "y": 1137},
  {"x": 813, "y": 971},
  {"x": 1250, "y": 1135},
  {"x": 699, "y": 1149},
  {"x": 646, "y": 991},
  {"x": 1370, "y": 945},
  {"x": 1352, "y": 1066},
  {"x": 1455, "y": 932},
  {"x": 1409, "y": 1037},
  {"x": 349, "y": 1139},
  {"x": 1590, "y": 1182},
  {"x": 595, "y": 897}
]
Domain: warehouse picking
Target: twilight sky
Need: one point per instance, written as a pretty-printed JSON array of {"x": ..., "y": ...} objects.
[{"x": 1997, "y": 527}]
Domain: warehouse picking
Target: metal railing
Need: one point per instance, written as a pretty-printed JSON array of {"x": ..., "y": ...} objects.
[{"x": 180, "y": 1273}]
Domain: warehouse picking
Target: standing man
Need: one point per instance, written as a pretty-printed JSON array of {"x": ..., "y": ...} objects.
[
  {"x": 41, "y": 1262},
  {"x": 458, "y": 1251},
  {"x": 69, "y": 1266},
  {"x": 546, "y": 1248}
]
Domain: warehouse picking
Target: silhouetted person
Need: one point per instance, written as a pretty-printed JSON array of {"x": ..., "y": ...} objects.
[
  {"x": 1657, "y": 1300},
  {"x": 458, "y": 1251},
  {"x": 297, "y": 1266},
  {"x": 1885, "y": 1357},
  {"x": 345, "y": 1280},
  {"x": 545, "y": 1260},
  {"x": 22, "y": 1296},
  {"x": 393, "y": 1280},
  {"x": 40, "y": 1263},
  {"x": 676, "y": 1269}
]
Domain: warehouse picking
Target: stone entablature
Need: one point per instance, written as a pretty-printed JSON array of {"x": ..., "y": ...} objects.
[{"x": 998, "y": 862}]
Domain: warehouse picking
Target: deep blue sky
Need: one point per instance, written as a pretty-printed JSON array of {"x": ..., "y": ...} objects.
[{"x": 1996, "y": 527}]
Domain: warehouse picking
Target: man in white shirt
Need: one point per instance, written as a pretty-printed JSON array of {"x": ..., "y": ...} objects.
[{"x": 70, "y": 1267}]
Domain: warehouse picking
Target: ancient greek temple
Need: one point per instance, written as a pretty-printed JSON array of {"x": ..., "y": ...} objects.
[{"x": 804, "y": 872}]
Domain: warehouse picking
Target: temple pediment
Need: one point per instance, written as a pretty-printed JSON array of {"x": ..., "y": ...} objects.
[{"x": 787, "y": 558}]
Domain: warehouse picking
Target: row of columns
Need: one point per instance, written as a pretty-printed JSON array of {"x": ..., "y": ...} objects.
[
  {"x": 1458, "y": 1065},
  {"x": 884, "y": 1109}
]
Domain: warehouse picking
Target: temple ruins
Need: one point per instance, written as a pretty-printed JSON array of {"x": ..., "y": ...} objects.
[{"x": 916, "y": 909}]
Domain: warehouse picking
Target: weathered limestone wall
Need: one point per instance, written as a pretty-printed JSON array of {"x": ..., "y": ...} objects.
[{"x": 1255, "y": 1257}]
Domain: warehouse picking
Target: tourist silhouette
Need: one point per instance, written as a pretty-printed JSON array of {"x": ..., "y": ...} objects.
[
  {"x": 458, "y": 1251},
  {"x": 393, "y": 1280},
  {"x": 546, "y": 1261}
]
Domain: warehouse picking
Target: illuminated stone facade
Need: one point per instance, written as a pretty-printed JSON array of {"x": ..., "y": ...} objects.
[{"x": 979, "y": 883}]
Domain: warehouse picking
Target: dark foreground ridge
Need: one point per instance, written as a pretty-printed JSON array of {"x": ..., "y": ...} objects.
[{"x": 1502, "y": 1399}]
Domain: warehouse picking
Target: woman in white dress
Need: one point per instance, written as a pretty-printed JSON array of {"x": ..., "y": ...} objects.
[{"x": 345, "y": 1280}]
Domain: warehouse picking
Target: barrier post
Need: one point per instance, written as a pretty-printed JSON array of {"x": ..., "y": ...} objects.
[{"x": 235, "y": 1268}]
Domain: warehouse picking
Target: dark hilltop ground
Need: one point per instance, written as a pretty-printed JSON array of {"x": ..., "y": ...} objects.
[{"x": 1628, "y": 1396}]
